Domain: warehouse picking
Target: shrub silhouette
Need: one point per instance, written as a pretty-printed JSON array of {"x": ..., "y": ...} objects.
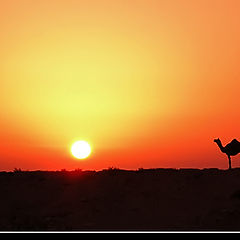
[{"x": 17, "y": 170}]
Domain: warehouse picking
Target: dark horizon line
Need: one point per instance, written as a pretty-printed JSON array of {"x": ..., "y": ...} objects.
[{"x": 78, "y": 170}]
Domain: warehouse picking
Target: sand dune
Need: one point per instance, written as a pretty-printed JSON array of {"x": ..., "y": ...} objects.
[{"x": 113, "y": 199}]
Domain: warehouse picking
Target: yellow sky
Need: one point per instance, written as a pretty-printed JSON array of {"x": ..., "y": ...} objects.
[{"x": 138, "y": 77}]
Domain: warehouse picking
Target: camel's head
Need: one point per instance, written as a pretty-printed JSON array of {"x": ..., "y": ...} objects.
[{"x": 217, "y": 140}]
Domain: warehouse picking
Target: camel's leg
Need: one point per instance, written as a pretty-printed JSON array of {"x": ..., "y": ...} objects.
[{"x": 229, "y": 162}]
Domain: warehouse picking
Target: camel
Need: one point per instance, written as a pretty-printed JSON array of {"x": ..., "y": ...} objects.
[{"x": 231, "y": 149}]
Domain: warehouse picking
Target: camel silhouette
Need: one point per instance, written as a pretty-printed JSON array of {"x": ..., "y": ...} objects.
[{"x": 231, "y": 149}]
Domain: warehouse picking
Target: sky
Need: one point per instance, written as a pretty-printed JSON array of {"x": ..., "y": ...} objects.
[{"x": 148, "y": 83}]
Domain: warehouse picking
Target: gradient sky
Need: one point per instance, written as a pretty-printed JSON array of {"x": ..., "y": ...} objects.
[{"x": 148, "y": 83}]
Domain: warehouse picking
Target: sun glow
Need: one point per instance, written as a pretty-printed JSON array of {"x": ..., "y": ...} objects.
[{"x": 81, "y": 149}]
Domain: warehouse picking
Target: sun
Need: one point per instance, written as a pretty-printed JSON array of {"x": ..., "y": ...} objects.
[{"x": 81, "y": 149}]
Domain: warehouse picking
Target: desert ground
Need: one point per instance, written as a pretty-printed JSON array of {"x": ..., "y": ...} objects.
[{"x": 120, "y": 200}]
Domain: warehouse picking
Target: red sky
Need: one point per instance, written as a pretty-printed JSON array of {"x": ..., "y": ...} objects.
[{"x": 148, "y": 83}]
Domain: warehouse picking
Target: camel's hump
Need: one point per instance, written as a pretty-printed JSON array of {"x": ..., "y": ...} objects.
[{"x": 235, "y": 141}]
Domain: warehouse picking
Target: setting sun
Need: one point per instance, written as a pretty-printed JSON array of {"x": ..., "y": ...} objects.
[
  {"x": 150, "y": 83},
  {"x": 119, "y": 115},
  {"x": 81, "y": 149}
]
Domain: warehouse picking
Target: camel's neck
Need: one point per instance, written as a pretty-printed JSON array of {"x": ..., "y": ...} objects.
[{"x": 221, "y": 146}]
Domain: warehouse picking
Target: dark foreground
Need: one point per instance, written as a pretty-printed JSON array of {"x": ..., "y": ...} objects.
[{"x": 153, "y": 199}]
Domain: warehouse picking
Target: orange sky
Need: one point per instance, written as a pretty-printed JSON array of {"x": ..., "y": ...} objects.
[{"x": 148, "y": 83}]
